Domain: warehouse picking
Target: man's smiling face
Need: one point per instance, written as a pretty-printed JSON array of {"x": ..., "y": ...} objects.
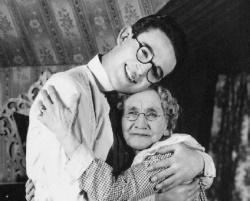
[{"x": 124, "y": 68}]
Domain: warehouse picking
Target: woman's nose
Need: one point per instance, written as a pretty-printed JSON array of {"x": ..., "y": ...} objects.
[{"x": 141, "y": 122}]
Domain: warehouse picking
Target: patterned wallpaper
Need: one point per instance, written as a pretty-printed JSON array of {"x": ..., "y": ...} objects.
[
  {"x": 38, "y": 33},
  {"x": 17, "y": 80},
  {"x": 49, "y": 32}
]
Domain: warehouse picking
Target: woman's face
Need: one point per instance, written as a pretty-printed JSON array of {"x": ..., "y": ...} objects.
[{"x": 143, "y": 121}]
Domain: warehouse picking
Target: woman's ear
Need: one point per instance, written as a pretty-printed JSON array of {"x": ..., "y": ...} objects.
[
  {"x": 124, "y": 34},
  {"x": 167, "y": 132}
]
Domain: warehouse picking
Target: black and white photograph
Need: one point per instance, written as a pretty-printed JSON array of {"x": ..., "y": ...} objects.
[{"x": 124, "y": 100}]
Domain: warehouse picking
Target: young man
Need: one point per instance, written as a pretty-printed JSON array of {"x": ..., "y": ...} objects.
[{"x": 144, "y": 54}]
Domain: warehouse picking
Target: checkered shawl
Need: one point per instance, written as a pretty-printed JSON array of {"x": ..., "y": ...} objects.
[{"x": 99, "y": 184}]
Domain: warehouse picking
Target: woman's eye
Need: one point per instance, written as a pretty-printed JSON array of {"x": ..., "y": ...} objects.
[
  {"x": 152, "y": 114},
  {"x": 132, "y": 113}
]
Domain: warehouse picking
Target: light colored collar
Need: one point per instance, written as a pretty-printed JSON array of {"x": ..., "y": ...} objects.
[{"x": 100, "y": 74}]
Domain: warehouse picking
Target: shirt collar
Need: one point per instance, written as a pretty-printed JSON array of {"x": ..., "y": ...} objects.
[{"x": 100, "y": 74}]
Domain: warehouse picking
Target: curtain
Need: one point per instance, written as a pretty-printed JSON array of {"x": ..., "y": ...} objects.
[{"x": 230, "y": 138}]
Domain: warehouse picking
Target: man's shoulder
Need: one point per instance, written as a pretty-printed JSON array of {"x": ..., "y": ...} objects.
[{"x": 71, "y": 76}]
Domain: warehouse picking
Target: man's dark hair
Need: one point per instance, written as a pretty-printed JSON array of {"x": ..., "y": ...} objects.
[{"x": 168, "y": 26}]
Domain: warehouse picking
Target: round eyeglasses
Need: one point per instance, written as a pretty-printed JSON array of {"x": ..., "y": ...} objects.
[
  {"x": 145, "y": 55},
  {"x": 133, "y": 116}
]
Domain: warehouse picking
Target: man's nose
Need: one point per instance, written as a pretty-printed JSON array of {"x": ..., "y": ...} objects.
[
  {"x": 141, "y": 122},
  {"x": 141, "y": 70}
]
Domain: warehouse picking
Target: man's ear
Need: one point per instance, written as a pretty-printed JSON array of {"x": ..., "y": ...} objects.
[{"x": 124, "y": 34}]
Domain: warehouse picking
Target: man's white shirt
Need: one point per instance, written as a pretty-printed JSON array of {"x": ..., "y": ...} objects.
[{"x": 54, "y": 175}]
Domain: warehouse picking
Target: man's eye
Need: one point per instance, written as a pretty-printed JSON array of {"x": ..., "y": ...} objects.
[
  {"x": 157, "y": 72},
  {"x": 145, "y": 53}
]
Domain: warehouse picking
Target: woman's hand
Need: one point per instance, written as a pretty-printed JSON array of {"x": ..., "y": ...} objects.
[
  {"x": 58, "y": 118},
  {"x": 54, "y": 113},
  {"x": 184, "y": 165},
  {"x": 29, "y": 190},
  {"x": 184, "y": 192}
]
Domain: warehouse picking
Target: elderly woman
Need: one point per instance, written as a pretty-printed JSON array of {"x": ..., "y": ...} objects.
[{"x": 148, "y": 119}]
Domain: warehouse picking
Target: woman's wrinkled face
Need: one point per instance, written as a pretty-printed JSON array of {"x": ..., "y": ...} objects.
[{"x": 143, "y": 121}]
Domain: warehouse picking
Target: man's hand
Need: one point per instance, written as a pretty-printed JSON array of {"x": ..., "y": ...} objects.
[
  {"x": 29, "y": 190},
  {"x": 184, "y": 192},
  {"x": 184, "y": 165}
]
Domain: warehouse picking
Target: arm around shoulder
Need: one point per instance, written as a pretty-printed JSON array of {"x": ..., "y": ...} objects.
[{"x": 208, "y": 172}]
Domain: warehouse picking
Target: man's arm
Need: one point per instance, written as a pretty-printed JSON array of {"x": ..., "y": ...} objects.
[
  {"x": 209, "y": 172},
  {"x": 98, "y": 182},
  {"x": 185, "y": 164},
  {"x": 183, "y": 192}
]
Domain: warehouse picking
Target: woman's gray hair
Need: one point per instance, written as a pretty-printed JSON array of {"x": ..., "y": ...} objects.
[{"x": 169, "y": 105}]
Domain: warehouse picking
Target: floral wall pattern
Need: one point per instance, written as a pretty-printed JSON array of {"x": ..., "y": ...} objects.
[
  {"x": 49, "y": 32},
  {"x": 230, "y": 139},
  {"x": 37, "y": 33}
]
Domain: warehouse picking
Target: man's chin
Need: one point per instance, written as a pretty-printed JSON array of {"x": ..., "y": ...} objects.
[
  {"x": 131, "y": 89},
  {"x": 127, "y": 90}
]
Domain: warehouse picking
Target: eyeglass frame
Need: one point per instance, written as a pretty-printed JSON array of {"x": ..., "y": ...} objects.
[
  {"x": 150, "y": 61},
  {"x": 145, "y": 116}
]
